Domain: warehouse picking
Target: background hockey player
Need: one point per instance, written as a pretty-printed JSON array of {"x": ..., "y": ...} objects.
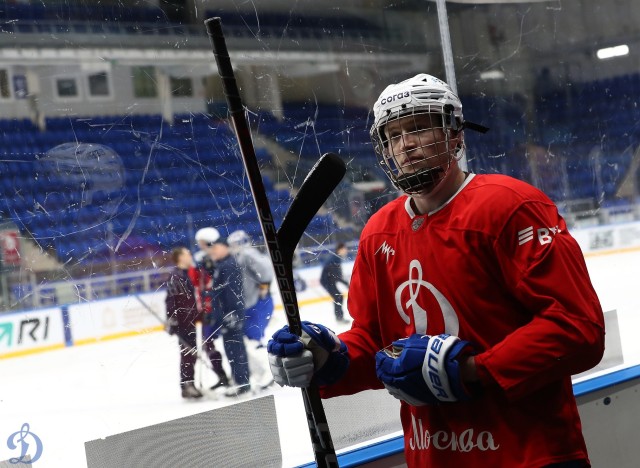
[
  {"x": 202, "y": 278},
  {"x": 227, "y": 312},
  {"x": 182, "y": 315},
  {"x": 471, "y": 303},
  {"x": 257, "y": 274},
  {"x": 332, "y": 275}
]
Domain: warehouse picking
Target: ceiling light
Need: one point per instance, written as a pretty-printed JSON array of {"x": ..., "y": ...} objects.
[
  {"x": 616, "y": 51},
  {"x": 492, "y": 75}
]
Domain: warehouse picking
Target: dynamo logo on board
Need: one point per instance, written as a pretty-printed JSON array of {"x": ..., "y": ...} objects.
[{"x": 28, "y": 443}]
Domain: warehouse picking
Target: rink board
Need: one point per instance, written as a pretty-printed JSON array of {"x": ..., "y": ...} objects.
[
  {"x": 115, "y": 318},
  {"x": 26, "y": 332},
  {"x": 35, "y": 331}
]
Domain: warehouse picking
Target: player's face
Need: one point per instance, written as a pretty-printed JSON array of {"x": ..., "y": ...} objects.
[
  {"x": 416, "y": 142},
  {"x": 185, "y": 259},
  {"x": 218, "y": 251},
  {"x": 203, "y": 245}
]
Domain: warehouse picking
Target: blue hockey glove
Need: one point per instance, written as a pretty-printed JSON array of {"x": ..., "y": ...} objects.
[
  {"x": 318, "y": 355},
  {"x": 424, "y": 370}
]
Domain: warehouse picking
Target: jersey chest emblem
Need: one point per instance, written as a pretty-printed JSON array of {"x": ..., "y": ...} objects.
[
  {"x": 411, "y": 297},
  {"x": 417, "y": 223}
]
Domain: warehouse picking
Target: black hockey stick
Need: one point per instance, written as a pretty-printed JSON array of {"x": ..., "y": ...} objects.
[
  {"x": 280, "y": 255},
  {"x": 322, "y": 179}
]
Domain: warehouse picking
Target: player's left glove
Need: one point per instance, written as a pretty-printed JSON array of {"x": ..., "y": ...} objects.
[
  {"x": 171, "y": 325},
  {"x": 424, "y": 370},
  {"x": 318, "y": 355}
]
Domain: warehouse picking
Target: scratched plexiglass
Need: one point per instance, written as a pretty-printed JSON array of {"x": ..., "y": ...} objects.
[{"x": 116, "y": 149}]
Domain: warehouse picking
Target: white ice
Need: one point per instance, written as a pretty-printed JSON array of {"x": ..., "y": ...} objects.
[{"x": 83, "y": 393}]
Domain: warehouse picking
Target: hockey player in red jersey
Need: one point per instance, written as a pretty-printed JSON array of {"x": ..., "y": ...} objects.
[{"x": 471, "y": 303}]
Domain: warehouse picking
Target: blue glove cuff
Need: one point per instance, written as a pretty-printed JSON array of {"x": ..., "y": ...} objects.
[
  {"x": 335, "y": 367},
  {"x": 441, "y": 368},
  {"x": 331, "y": 357}
]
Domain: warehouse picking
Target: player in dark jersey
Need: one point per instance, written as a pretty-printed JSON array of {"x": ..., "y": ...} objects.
[
  {"x": 202, "y": 278},
  {"x": 471, "y": 303},
  {"x": 331, "y": 275},
  {"x": 182, "y": 315}
]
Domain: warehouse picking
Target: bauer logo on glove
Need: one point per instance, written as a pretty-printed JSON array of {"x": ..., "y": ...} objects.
[{"x": 423, "y": 370}]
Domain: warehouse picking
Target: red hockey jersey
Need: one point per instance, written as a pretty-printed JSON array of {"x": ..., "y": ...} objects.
[
  {"x": 202, "y": 282},
  {"x": 496, "y": 266}
]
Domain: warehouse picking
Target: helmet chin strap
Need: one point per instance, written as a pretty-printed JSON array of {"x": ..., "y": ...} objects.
[{"x": 423, "y": 180}]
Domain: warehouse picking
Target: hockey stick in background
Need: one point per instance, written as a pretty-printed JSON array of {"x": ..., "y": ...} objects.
[
  {"x": 281, "y": 244},
  {"x": 181, "y": 339}
]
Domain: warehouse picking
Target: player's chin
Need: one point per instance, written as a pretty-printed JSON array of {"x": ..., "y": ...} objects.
[
  {"x": 426, "y": 189},
  {"x": 412, "y": 169},
  {"x": 409, "y": 168},
  {"x": 419, "y": 185}
]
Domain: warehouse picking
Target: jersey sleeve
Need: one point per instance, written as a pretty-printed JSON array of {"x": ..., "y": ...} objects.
[
  {"x": 544, "y": 268},
  {"x": 170, "y": 298},
  {"x": 363, "y": 339},
  {"x": 228, "y": 292},
  {"x": 261, "y": 266}
]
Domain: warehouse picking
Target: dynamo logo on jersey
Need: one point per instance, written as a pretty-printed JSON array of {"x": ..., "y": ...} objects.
[{"x": 416, "y": 289}]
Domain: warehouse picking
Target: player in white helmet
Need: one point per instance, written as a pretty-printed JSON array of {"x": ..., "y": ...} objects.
[
  {"x": 205, "y": 237},
  {"x": 257, "y": 276},
  {"x": 417, "y": 132},
  {"x": 202, "y": 278},
  {"x": 471, "y": 303}
]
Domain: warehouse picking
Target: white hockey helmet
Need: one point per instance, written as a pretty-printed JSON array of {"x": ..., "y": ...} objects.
[
  {"x": 208, "y": 235},
  {"x": 431, "y": 105},
  {"x": 238, "y": 239}
]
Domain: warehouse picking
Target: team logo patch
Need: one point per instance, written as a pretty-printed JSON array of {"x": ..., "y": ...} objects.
[
  {"x": 525, "y": 235},
  {"x": 545, "y": 235},
  {"x": 417, "y": 223},
  {"x": 386, "y": 250}
]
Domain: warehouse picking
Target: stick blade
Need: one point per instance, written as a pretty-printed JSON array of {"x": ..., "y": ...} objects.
[{"x": 321, "y": 181}]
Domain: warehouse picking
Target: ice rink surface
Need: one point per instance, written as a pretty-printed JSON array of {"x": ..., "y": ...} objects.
[{"x": 84, "y": 393}]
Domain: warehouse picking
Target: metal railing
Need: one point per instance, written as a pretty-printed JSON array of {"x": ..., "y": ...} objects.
[{"x": 32, "y": 295}]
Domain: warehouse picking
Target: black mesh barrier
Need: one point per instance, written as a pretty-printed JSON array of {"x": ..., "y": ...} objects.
[
  {"x": 17, "y": 461},
  {"x": 362, "y": 417},
  {"x": 233, "y": 436}
]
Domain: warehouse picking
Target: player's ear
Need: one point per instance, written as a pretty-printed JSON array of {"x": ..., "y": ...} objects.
[{"x": 457, "y": 138}]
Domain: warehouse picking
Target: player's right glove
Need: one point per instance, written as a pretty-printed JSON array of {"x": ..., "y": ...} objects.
[
  {"x": 317, "y": 356},
  {"x": 424, "y": 370}
]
